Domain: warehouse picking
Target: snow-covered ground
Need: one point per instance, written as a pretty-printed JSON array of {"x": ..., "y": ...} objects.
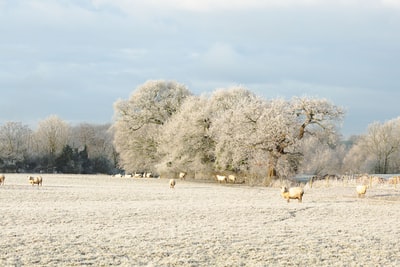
[{"x": 84, "y": 220}]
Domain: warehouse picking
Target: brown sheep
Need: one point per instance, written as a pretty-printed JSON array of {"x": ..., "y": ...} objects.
[
  {"x": 361, "y": 190},
  {"x": 35, "y": 180},
  {"x": 2, "y": 179},
  {"x": 292, "y": 193}
]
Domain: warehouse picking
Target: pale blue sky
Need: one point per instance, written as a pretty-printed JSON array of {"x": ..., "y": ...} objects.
[{"x": 76, "y": 58}]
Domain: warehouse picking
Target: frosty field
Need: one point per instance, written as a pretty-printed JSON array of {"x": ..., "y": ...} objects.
[{"x": 100, "y": 220}]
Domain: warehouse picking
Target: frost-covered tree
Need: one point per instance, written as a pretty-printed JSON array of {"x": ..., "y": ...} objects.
[
  {"x": 234, "y": 128},
  {"x": 321, "y": 156},
  {"x": 378, "y": 150},
  {"x": 276, "y": 127},
  {"x": 97, "y": 142},
  {"x": 97, "y": 139},
  {"x": 357, "y": 161},
  {"x": 192, "y": 139},
  {"x": 316, "y": 115},
  {"x": 15, "y": 140},
  {"x": 304, "y": 116},
  {"x": 50, "y": 138},
  {"x": 139, "y": 120},
  {"x": 185, "y": 142}
]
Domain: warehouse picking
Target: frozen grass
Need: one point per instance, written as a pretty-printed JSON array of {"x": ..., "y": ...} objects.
[{"x": 103, "y": 221}]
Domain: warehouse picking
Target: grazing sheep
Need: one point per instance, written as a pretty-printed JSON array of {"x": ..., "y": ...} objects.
[
  {"x": 292, "y": 193},
  {"x": 221, "y": 178},
  {"x": 172, "y": 183},
  {"x": 232, "y": 178},
  {"x": 35, "y": 180},
  {"x": 2, "y": 178},
  {"x": 361, "y": 190},
  {"x": 182, "y": 175}
]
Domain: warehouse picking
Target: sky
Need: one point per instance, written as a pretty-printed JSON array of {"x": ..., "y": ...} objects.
[{"x": 76, "y": 58}]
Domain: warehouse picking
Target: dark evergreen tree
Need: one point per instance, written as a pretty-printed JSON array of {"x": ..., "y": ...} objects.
[{"x": 65, "y": 163}]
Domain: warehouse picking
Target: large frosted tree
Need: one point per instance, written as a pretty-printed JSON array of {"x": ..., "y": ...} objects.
[
  {"x": 234, "y": 128},
  {"x": 185, "y": 142},
  {"x": 254, "y": 128},
  {"x": 303, "y": 116},
  {"x": 190, "y": 139},
  {"x": 139, "y": 120}
]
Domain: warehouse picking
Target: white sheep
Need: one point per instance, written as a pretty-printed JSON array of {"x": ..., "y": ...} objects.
[
  {"x": 292, "y": 193},
  {"x": 172, "y": 183},
  {"x": 35, "y": 180},
  {"x": 221, "y": 178},
  {"x": 361, "y": 190},
  {"x": 2, "y": 179},
  {"x": 182, "y": 175}
]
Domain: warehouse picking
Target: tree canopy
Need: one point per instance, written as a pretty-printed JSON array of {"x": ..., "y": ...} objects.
[
  {"x": 164, "y": 127},
  {"x": 139, "y": 120}
]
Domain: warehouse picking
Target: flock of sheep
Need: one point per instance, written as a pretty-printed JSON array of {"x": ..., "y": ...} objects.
[
  {"x": 286, "y": 193},
  {"x": 223, "y": 178},
  {"x": 135, "y": 175},
  {"x": 32, "y": 180},
  {"x": 298, "y": 192}
]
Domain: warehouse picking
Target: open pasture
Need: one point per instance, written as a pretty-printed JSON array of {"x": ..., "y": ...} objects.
[{"x": 99, "y": 220}]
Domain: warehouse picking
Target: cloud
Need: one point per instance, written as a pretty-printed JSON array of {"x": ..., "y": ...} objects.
[
  {"x": 46, "y": 10},
  {"x": 226, "y": 5},
  {"x": 103, "y": 49},
  {"x": 131, "y": 53},
  {"x": 391, "y": 3},
  {"x": 220, "y": 56}
]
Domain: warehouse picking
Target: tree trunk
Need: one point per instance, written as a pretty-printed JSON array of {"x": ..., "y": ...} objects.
[
  {"x": 271, "y": 172},
  {"x": 385, "y": 165}
]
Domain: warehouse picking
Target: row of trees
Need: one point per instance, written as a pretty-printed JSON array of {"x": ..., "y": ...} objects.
[
  {"x": 55, "y": 146},
  {"x": 163, "y": 128}
]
